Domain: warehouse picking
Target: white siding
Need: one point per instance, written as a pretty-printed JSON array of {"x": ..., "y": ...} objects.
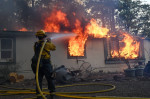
[
  {"x": 94, "y": 54},
  {"x": 24, "y": 53},
  {"x": 147, "y": 50}
]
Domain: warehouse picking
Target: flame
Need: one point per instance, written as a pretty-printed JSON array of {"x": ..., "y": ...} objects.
[
  {"x": 77, "y": 44},
  {"x": 54, "y": 21},
  {"x": 74, "y": 13},
  {"x": 4, "y": 29},
  {"x": 23, "y": 29},
  {"x": 57, "y": 21},
  {"x": 130, "y": 50},
  {"x": 95, "y": 30}
]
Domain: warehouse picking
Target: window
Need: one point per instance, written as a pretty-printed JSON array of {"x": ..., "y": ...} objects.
[
  {"x": 7, "y": 50},
  {"x": 79, "y": 54},
  {"x": 114, "y": 52}
]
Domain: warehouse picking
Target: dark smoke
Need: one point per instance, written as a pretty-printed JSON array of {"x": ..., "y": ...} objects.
[
  {"x": 16, "y": 14},
  {"x": 7, "y": 17}
]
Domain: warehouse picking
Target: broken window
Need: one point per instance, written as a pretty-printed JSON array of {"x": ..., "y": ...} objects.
[
  {"x": 123, "y": 47},
  {"x": 77, "y": 47},
  {"x": 77, "y": 53}
]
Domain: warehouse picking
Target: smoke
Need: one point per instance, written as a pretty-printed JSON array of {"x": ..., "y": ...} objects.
[
  {"x": 6, "y": 15},
  {"x": 30, "y": 14}
]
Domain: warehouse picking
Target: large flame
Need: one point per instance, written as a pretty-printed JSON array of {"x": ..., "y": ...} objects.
[
  {"x": 54, "y": 21},
  {"x": 57, "y": 22},
  {"x": 95, "y": 30},
  {"x": 130, "y": 50},
  {"x": 77, "y": 44}
]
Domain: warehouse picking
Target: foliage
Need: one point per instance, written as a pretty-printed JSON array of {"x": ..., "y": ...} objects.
[
  {"x": 134, "y": 16},
  {"x": 145, "y": 20},
  {"x": 102, "y": 11}
]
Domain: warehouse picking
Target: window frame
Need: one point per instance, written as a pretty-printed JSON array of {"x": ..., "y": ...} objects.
[
  {"x": 76, "y": 57},
  {"x": 110, "y": 60},
  {"x": 11, "y": 60}
]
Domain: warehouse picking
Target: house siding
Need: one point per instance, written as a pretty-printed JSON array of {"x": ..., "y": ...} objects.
[
  {"x": 94, "y": 55},
  {"x": 24, "y": 53},
  {"x": 147, "y": 50}
]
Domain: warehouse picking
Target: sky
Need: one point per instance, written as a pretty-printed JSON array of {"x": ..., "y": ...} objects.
[{"x": 146, "y": 1}]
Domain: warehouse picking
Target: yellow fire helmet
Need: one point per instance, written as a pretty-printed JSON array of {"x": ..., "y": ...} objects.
[{"x": 40, "y": 33}]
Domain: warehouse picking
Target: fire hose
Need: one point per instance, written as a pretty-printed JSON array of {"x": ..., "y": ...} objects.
[
  {"x": 62, "y": 94},
  {"x": 37, "y": 70}
]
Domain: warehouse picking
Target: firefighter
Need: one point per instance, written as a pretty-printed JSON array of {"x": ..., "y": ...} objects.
[{"x": 45, "y": 67}]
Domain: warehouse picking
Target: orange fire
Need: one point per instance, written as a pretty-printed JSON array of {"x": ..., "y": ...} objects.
[
  {"x": 55, "y": 20},
  {"x": 95, "y": 30},
  {"x": 130, "y": 50},
  {"x": 23, "y": 29},
  {"x": 4, "y": 29},
  {"x": 77, "y": 44}
]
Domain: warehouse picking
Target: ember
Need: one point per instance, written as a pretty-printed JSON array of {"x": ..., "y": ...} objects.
[
  {"x": 4, "y": 29},
  {"x": 23, "y": 29}
]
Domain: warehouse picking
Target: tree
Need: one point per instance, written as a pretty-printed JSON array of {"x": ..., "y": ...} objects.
[
  {"x": 30, "y": 14},
  {"x": 7, "y": 14},
  {"x": 128, "y": 11},
  {"x": 134, "y": 16},
  {"x": 103, "y": 10},
  {"x": 144, "y": 24}
]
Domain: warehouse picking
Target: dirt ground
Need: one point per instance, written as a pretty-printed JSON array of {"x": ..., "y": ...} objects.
[{"x": 125, "y": 87}]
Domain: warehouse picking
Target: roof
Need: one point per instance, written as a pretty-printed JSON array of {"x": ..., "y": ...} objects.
[{"x": 19, "y": 33}]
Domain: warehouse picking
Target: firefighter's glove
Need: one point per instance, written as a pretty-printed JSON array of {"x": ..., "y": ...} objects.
[{"x": 48, "y": 39}]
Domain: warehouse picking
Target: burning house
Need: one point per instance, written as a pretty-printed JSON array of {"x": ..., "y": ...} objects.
[
  {"x": 100, "y": 49},
  {"x": 103, "y": 47}
]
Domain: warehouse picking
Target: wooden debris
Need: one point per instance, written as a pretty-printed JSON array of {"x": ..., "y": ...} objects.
[{"x": 14, "y": 77}]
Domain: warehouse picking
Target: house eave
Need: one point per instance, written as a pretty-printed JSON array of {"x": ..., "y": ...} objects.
[{"x": 22, "y": 33}]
